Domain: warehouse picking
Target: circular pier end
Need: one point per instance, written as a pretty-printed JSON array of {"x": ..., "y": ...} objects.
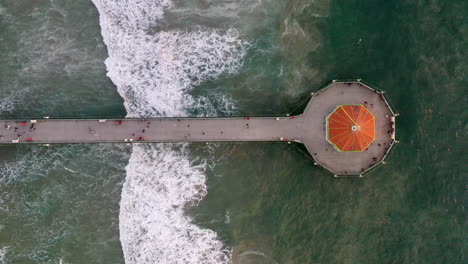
[{"x": 332, "y": 151}]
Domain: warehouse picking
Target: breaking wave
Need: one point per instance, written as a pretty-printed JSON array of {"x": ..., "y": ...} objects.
[
  {"x": 154, "y": 70},
  {"x": 160, "y": 184},
  {"x": 3, "y": 252}
]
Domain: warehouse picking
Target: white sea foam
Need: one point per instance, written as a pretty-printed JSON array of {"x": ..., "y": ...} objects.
[
  {"x": 7, "y": 104},
  {"x": 227, "y": 217},
  {"x": 154, "y": 71},
  {"x": 160, "y": 184},
  {"x": 3, "y": 252},
  {"x": 31, "y": 164},
  {"x": 218, "y": 103}
]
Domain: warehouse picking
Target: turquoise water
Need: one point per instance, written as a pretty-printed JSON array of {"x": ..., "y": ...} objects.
[{"x": 253, "y": 203}]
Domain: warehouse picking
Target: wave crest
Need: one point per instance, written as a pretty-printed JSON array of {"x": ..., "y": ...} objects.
[
  {"x": 153, "y": 223},
  {"x": 154, "y": 71}
]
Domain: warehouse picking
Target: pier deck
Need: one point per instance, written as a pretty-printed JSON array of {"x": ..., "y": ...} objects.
[
  {"x": 323, "y": 103},
  {"x": 150, "y": 130},
  {"x": 307, "y": 128}
]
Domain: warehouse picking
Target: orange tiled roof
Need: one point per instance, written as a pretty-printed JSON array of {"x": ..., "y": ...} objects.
[{"x": 351, "y": 128}]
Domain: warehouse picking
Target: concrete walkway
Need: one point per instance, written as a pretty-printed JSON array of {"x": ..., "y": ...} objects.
[
  {"x": 323, "y": 103},
  {"x": 150, "y": 130}
]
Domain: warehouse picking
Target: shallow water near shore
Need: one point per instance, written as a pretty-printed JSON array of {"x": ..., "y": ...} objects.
[{"x": 235, "y": 202}]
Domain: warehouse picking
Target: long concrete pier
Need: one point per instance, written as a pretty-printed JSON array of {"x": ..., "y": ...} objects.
[
  {"x": 151, "y": 130},
  {"x": 308, "y": 128}
]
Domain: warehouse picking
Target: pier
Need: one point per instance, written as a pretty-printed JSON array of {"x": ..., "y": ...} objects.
[{"x": 308, "y": 128}]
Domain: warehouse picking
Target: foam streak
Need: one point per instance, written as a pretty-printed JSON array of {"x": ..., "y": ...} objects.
[{"x": 153, "y": 71}]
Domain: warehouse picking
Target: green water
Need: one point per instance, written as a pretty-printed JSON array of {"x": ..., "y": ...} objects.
[
  {"x": 267, "y": 202},
  {"x": 408, "y": 211}
]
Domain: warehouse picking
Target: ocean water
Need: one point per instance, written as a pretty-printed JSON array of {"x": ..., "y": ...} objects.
[{"x": 235, "y": 202}]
